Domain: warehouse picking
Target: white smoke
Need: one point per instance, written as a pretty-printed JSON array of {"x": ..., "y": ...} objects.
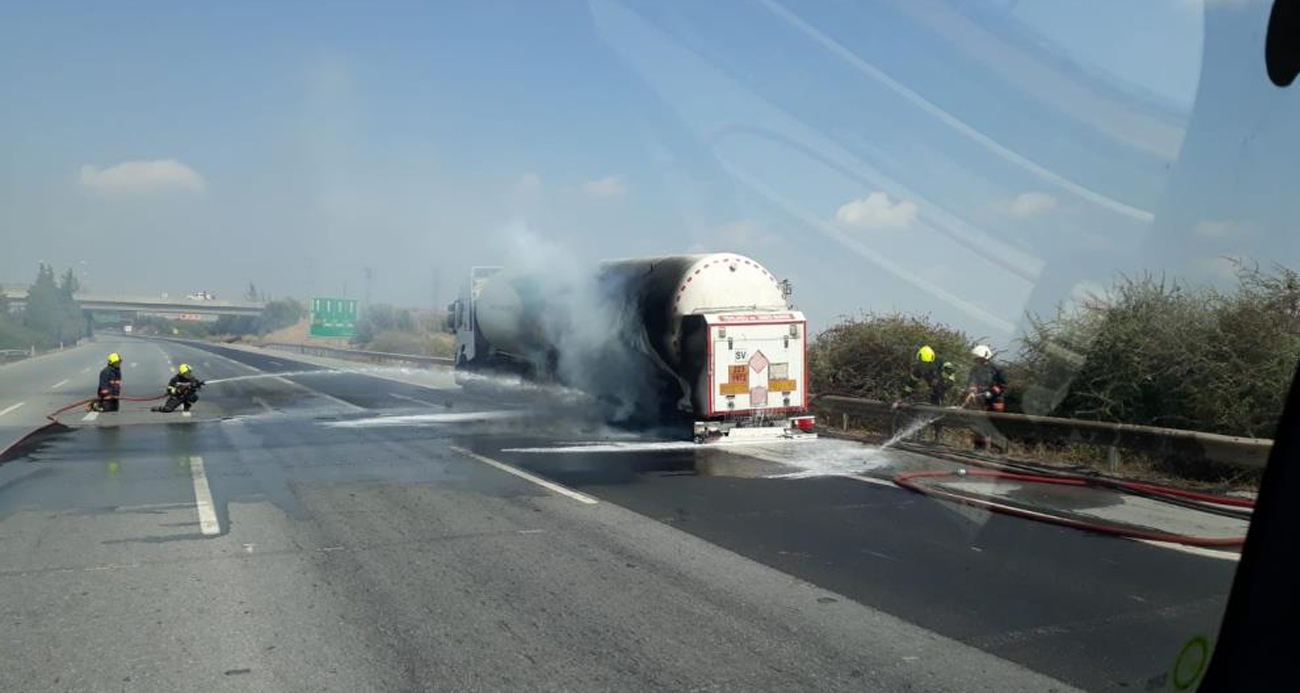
[{"x": 596, "y": 331}]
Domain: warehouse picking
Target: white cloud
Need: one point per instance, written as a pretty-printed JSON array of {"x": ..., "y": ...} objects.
[
  {"x": 875, "y": 211},
  {"x": 1028, "y": 204},
  {"x": 132, "y": 177},
  {"x": 529, "y": 183},
  {"x": 1221, "y": 229},
  {"x": 609, "y": 186},
  {"x": 741, "y": 233}
]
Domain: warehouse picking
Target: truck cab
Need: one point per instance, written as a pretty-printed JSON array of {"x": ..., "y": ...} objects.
[{"x": 471, "y": 347}]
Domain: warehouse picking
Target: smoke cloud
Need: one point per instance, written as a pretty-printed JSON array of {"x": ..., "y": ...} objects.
[{"x": 592, "y": 334}]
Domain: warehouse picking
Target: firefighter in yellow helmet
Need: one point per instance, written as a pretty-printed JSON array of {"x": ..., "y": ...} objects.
[
  {"x": 929, "y": 380},
  {"x": 182, "y": 390},
  {"x": 110, "y": 385}
]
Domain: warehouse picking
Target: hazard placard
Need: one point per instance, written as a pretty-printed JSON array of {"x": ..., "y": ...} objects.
[{"x": 738, "y": 374}]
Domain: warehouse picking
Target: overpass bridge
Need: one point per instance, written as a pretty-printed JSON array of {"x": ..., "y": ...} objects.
[{"x": 126, "y": 307}]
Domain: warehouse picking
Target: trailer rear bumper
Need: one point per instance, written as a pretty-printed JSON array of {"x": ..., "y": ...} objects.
[{"x": 795, "y": 427}]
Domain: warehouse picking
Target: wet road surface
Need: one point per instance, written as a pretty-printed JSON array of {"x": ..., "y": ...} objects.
[{"x": 307, "y": 529}]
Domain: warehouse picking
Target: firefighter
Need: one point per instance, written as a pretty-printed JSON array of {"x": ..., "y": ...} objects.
[
  {"x": 929, "y": 380},
  {"x": 987, "y": 388},
  {"x": 110, "y": 385},
  {"x": 182, "y": 390}
]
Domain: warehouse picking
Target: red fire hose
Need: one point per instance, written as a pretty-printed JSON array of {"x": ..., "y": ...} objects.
[
  {"x": 912, "y": 481},
  {"x": 54, "y": 423},
  {"x": 1091, "y": 479}
]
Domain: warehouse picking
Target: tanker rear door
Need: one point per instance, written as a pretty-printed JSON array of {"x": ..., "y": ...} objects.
[{"x": 757, "y": 364}]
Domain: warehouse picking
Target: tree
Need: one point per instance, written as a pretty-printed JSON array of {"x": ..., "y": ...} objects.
[
  {"x": 235, "y": 324},
  {"x": 51, "y": 313},
  {"x": 279, "y": 314},
  {"x": 69, "y": 284},
  {"x": 379, "y": 317}
]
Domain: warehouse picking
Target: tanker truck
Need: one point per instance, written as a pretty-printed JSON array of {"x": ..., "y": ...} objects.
[{"x": 706, "y": 339}]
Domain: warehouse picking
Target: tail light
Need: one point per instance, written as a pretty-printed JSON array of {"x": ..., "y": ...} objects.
[{"x": 803, "y": 423}]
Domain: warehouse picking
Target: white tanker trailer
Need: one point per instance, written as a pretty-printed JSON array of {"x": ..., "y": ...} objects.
[{"x": 710, "y": 336}]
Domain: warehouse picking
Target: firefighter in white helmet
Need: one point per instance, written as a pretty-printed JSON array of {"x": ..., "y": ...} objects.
[{"x": 986, "y": 387}]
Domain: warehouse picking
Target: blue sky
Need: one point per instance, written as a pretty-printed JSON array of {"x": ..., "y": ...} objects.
[{"x": 971, "y": 159}]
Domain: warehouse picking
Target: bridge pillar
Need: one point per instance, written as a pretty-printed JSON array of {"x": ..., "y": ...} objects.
[{"x": 90, "y": 323}]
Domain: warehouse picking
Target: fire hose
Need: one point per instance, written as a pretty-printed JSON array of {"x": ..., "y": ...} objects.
[
  {"x": 916, "y": 481},
  {"x": 1031, "y": 474},
  {"x": 54, "y": 423}
]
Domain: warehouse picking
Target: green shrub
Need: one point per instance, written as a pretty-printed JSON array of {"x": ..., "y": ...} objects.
[
  {"x": 871, "y": 356},
  {"x": 1162, "y": 354}
]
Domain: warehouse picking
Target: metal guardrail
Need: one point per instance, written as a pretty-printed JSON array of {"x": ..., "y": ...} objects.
[
  {"x": 1191, "y": 445},
  {"x": 360, "y": 354}
]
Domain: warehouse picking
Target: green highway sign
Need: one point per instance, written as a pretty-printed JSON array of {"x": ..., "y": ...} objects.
[{"x": 333, "y": 317}]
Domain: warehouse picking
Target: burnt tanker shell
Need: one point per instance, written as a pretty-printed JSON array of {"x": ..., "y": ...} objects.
[{"x": 642, "y": 304}]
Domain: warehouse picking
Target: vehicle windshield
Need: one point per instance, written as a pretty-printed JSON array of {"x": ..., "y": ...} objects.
[{"x": 636, "y": 345}]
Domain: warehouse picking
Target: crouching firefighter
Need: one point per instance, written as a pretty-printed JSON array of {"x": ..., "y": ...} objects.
[
  {"x": 182, "y": 390},
  {"x": 110, "y": 386}
]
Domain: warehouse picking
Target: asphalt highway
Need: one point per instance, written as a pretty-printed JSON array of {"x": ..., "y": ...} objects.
[{"x": 309, "y": 528}]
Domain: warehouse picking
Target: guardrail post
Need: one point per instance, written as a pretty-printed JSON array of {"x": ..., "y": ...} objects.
[
  {"x": 1112, "y": 458},
  {"x": 844, "y": 422}
]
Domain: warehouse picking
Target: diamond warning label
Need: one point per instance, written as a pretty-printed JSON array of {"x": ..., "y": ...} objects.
[{"x": 758, "y": 362}]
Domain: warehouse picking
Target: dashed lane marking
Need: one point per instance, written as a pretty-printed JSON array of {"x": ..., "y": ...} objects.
[
  {"x": 12, "y": 407},
  {"x": 208, "y": 523},
  {"x": 394, "y": 395}
]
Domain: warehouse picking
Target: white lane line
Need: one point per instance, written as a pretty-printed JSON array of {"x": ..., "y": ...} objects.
[
  {"x": 85, "y": 370},
  {"x": 10, "y": 408},
  {"x": 187, "y": 414},
  {"x": 394, "y": 395},
  {"x": 1194, "y": 550},
  {"x": 276, "y": 363},
  {"x": 263, "y": 404},
  {"x": 873, "y": 480},
  {"x": 133, "y": 363},
  {"x": 203, "y": 498},
  {"x": 91, "y": 416},
  {"x": 59, "y": 384},
  {"x": 548, "y": 485}
]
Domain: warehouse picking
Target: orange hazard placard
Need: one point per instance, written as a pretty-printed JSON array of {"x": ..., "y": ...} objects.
[
  {"x": 786, "y": 385},
  {"x": 738, "y": 381},
  {"x": 737, "y": 374}
]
